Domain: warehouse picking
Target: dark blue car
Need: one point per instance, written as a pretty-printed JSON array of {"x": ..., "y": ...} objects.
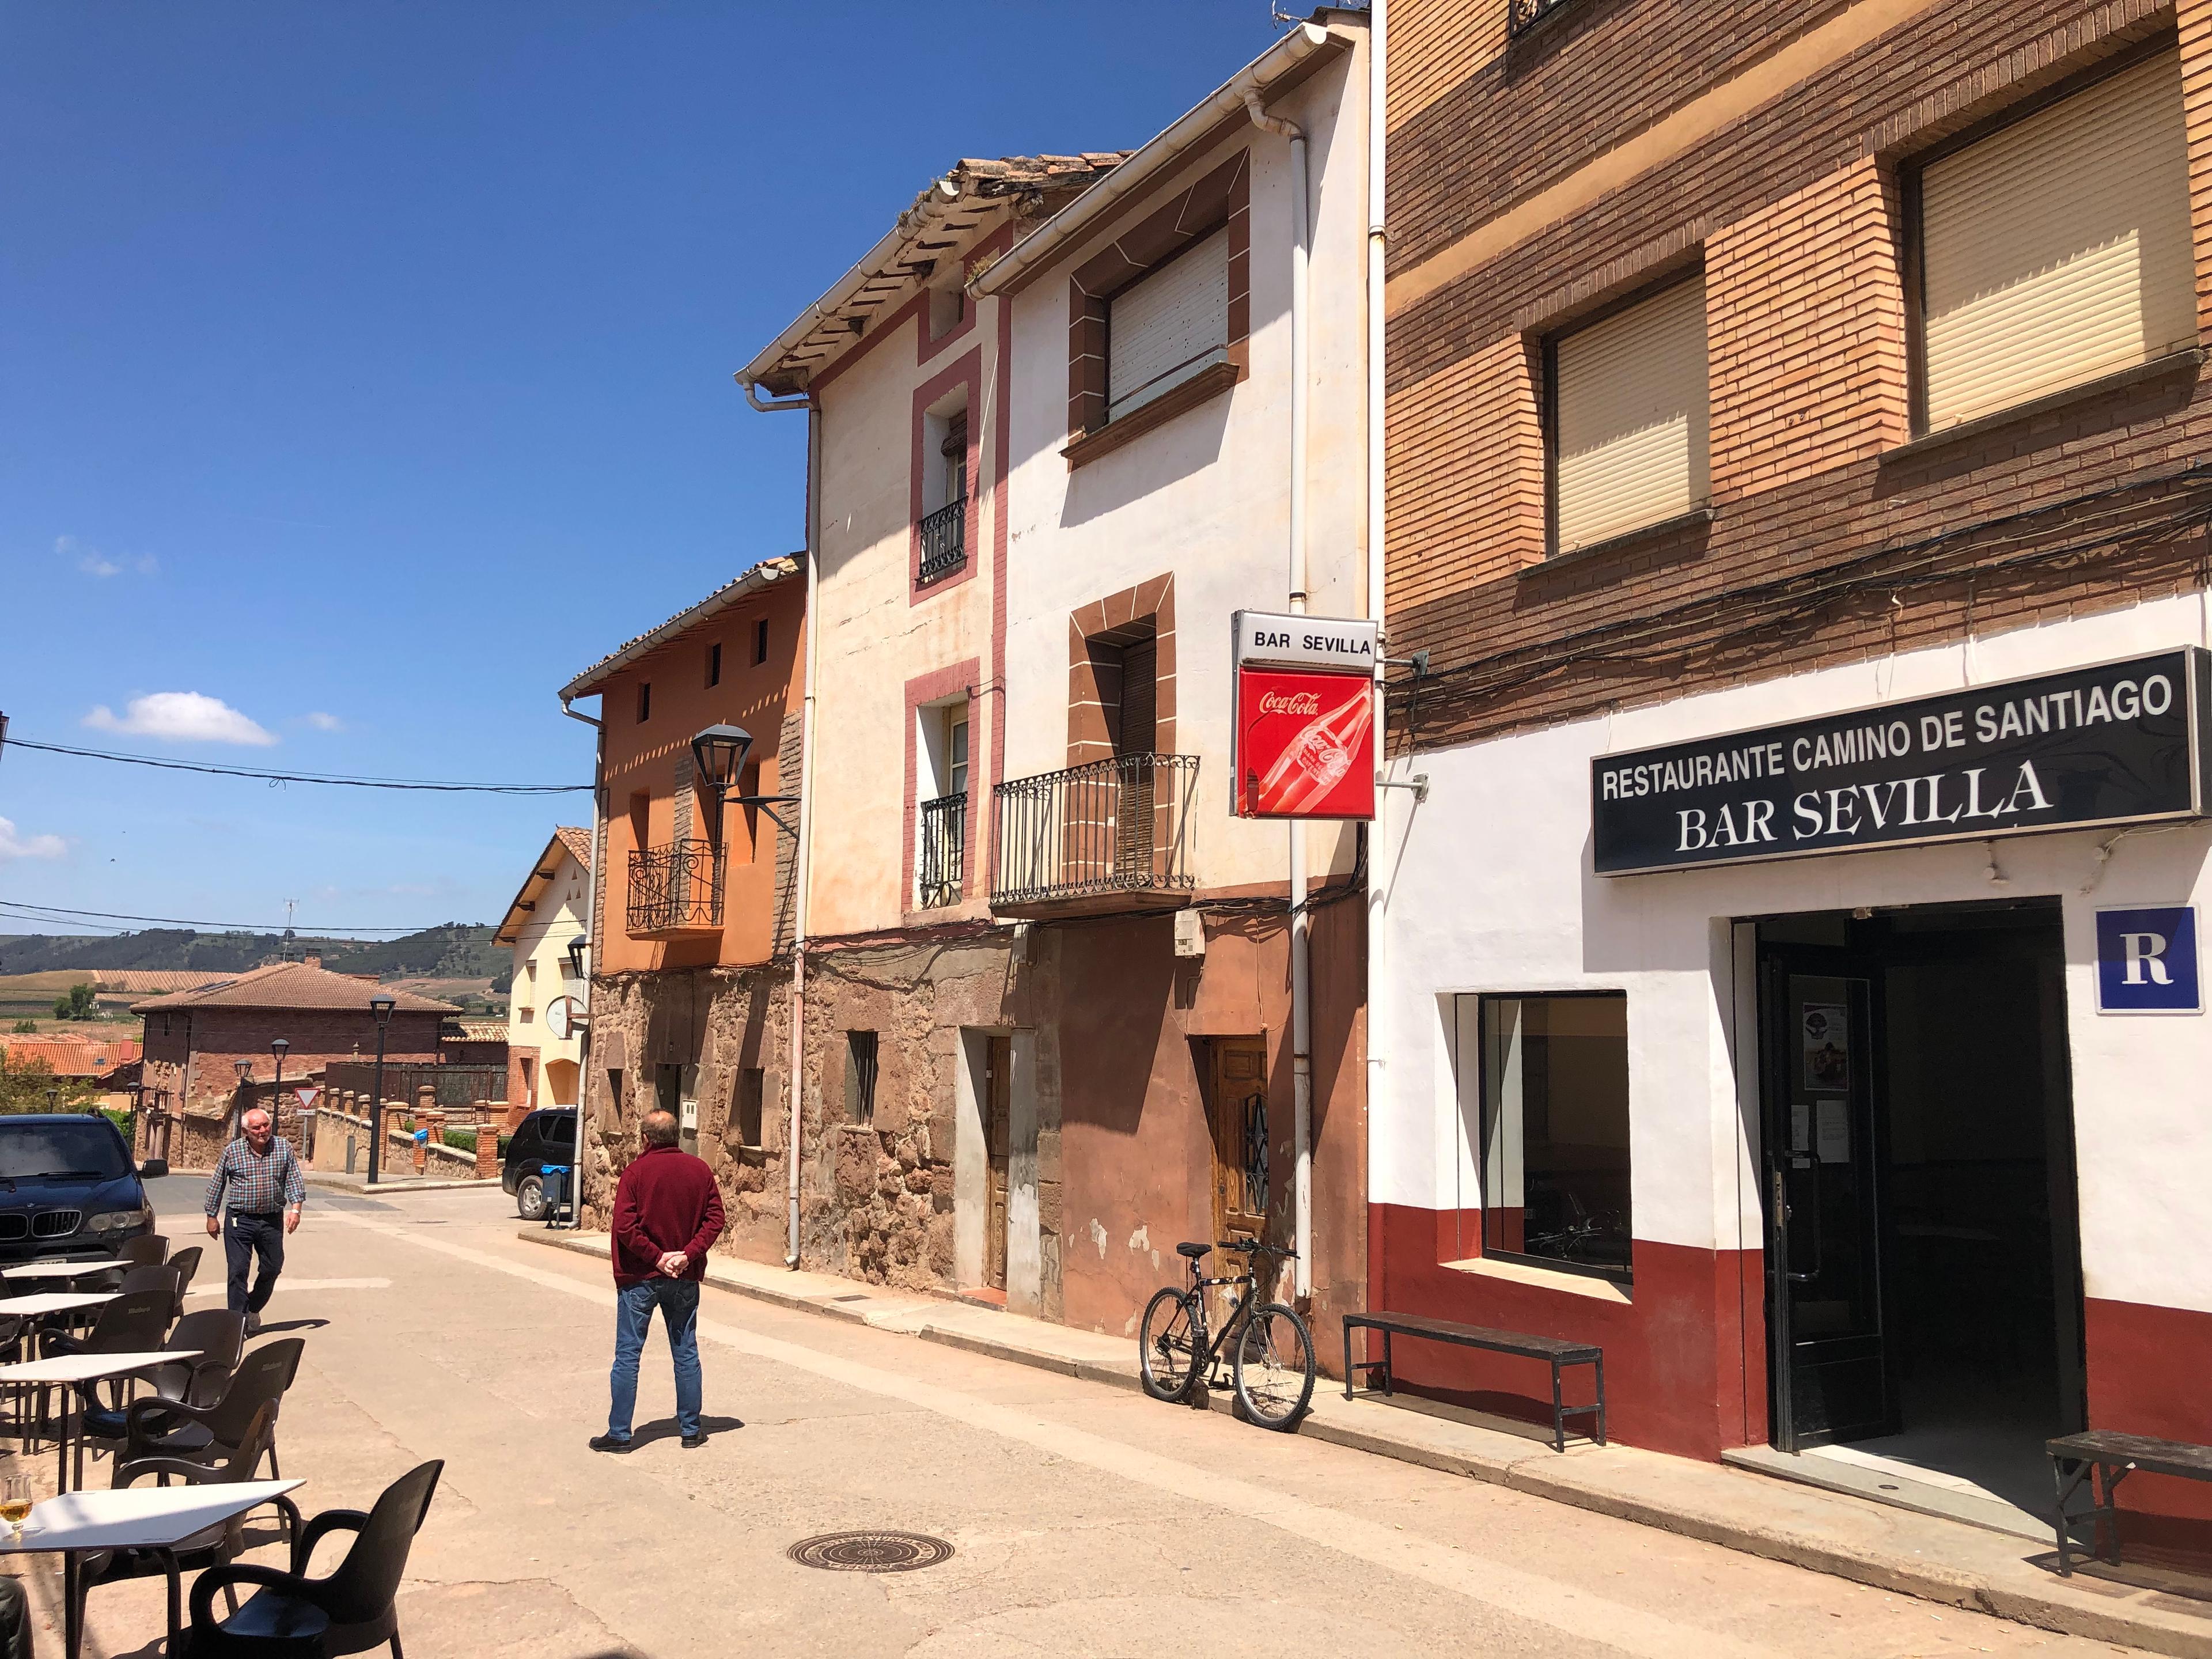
[{"x": 68, "y": 1188}]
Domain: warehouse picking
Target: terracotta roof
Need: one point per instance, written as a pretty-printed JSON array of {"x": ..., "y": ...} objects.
[
  {"x": 578, "y": 841},
  {"x": 478, "y": 1030},
  {"x": 292, "y": 985},
  {"x": 543, "y": 869},
  {"x": 763, "y": 575},
  {"x": 955, "y": 209},
  {"x": 156, "y": 979},
  {"x": 74, "y": 1056}
]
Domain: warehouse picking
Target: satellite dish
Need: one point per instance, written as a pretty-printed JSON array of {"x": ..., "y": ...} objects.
[{"x": 565, "y": 1017}]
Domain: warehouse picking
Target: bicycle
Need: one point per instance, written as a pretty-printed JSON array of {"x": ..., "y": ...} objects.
[{"x": 1273, "y": 1364}]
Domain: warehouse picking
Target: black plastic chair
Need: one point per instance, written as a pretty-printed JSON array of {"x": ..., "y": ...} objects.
[
  {"x": 357, "y": 1598},
  {"x": 209, "y": 1548},
  {"x": 147, "y": 1247},
  {"x": 217, "y": 1335},
  {"x": 134, "y": 1322},
  {"x": 157, "y": 1276},
  {"x": 202, "y": 1434},
  {"x": 186, "y": 1261}
]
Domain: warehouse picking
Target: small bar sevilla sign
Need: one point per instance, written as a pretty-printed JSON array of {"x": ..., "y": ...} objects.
[{"x": 1305, "y": 744}]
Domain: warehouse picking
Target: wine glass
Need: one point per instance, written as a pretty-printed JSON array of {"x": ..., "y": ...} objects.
[{"x": 14, "y": 1502}]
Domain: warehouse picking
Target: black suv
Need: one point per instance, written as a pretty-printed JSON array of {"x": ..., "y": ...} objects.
[
  {"x": 68, "y": 1188},
  {"x": 546, "y": 1136}
]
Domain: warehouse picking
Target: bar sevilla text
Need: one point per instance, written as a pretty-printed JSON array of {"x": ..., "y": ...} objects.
[{"x": 1944, "y": 797}]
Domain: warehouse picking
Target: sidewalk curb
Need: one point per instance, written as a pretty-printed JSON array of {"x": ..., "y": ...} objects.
[
  {"x": 1576, "y": 1481},
  {"x": 332, "y": 1183}
]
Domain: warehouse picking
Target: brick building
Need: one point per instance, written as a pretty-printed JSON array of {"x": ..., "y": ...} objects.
[
  {"x": 1769, "y": 377},
  {"x": 192, "y": 1088}
]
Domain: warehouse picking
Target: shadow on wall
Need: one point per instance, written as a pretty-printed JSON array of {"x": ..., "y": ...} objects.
[{"x": 1187, "y": 444}]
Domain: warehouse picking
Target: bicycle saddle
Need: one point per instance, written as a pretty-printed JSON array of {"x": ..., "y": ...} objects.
[{"x": 1196, "y": 1252}]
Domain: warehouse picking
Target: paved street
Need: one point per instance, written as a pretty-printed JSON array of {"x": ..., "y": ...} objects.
[{"x": 1087, "y": 1519}]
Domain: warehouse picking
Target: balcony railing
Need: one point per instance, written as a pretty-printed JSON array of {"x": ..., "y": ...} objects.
[
  {"x": 675, "y": 888},
  {"x": 944, "y": 542},
  {"x": 1112, "y": 830},
  {"x": 1524, "y": 15},
  {"x": 940, "y": 852}
]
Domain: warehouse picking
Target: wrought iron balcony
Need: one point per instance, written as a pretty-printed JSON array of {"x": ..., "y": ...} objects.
[
  {"x": 944, "y": 542},
  {"x": 941, "y": 849},
  {"x": 1524, "y": 15},
  {"x": 1113, "y": 835},
  {"x": 676, "y": 889}
]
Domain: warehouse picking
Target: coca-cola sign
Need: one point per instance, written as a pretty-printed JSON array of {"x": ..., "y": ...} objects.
[{"x": 1305, "y": 744}]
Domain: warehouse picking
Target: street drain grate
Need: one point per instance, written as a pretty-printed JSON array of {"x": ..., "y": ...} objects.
[{"x": 869, "y": 1551}]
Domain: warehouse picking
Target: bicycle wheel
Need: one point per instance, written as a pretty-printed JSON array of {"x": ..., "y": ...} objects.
[
  {"x": 1167, "y": 1345},
  {"x": 1274, "y": 1367}
]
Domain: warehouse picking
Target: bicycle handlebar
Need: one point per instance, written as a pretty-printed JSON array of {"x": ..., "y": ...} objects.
[{"x": 1253, "y": 1246}]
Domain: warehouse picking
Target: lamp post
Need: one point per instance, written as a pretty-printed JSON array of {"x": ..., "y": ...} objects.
[
  {"x": 279, "y": 1048},
  {"x": 381, "y": 1006},
  {"x": 718, "y": 758}
]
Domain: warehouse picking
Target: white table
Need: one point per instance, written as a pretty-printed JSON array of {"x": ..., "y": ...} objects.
[
  {"x": 70, "y": 1369},
  {"x": 61, "y": 1269},
  {"x": 54, "y": 1302},
  {"x": 133, "y": 1518}
]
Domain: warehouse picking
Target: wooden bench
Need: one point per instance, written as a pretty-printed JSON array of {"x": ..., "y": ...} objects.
[
  {"x": 2110, "y": 1457},
  {"x": 1559, "y": 1353}
]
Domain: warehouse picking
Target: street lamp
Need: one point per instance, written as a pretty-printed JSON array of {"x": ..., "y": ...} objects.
[
  {"x": 381, "y": 1006},
  {"x": 279, "y": 1048},
  {"x": 718, "y": 758}
]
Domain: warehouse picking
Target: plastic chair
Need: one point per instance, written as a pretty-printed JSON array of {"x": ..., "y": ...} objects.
[
  {"x": 210, "y": 1547},
  {"x": 217, "y": 1335},
  {"x": 157, "y": 1275},
  {"x": 147, "y": 1249},
  {"x": 176, "y": 1428},
  {"x": 187, "y": 1262},
  {"x": 133, "y": 1323},
  {"x": 357, "y": 1597}
]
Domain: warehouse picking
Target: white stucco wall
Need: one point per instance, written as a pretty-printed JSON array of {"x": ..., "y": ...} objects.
[
  {"x": 542, "y": 944},
  {"x": 1205, "y": 497},
  {"x": 1494, "y": 892}
]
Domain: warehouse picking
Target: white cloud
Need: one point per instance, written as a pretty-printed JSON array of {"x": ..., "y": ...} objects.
[
  {"x": 183, "y": 716},
  {"x": 323, "y": 722},
  {"x": 15, "y": 846},
  {"x": 94, "y": 562}
]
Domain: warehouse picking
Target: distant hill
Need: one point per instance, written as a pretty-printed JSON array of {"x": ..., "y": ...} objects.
[{"x": 456, "y": 950}]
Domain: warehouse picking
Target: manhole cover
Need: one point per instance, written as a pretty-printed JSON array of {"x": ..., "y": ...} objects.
[{"x": 869, "y": 1551}]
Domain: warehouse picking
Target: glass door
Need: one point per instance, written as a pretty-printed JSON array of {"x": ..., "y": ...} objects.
[{"x": 1828, "y": 1360}]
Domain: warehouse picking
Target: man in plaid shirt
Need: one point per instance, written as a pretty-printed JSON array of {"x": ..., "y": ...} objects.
[{"x": 266, "y": 1193}]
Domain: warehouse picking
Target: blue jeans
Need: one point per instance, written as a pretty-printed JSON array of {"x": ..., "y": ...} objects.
[{"x": 678, "y": 1302}]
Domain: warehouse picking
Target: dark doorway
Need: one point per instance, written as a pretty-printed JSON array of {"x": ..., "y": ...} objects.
[{"x": 1923, "y": 1251}]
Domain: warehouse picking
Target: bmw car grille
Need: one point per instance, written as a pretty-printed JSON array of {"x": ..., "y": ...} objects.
[{"x": 56, "y": 1224}]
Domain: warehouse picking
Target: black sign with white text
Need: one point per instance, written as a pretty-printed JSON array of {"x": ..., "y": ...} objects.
[{"x": 2117, "y": 744}]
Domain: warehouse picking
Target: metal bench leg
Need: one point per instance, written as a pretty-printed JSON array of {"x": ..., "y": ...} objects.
[
  {"x": 1558, "y": 1413},
  {"x": 2113, "y": 1477},
  {"x": 1347, "y": 1362},
  {"x": 1599, "y": 1363},
  {"x": 2066, "y": 1480},
  {"x": 1386, "y": 1361}
]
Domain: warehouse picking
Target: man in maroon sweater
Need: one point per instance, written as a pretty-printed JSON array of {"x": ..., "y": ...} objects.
[{"x": 667, "y": 1216}]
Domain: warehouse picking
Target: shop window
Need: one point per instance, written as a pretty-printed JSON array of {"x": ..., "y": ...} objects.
[
  {"x": 1554, "y": 1131},
  {"x": 752, "y": 1089},
  {"x": 1629, "y": 434},
  {"x": 2057, "y": 250},
  {"x": 860, "y": 1076}
]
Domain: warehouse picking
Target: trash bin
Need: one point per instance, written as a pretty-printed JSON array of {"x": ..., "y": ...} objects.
[{"x": 553, "y": 1179}]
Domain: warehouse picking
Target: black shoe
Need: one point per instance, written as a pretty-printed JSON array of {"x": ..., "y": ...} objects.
[
  {"x": 253, "y": 1324},
  {"x": 607, "y": 1442},
  {"x": 693, "y": 1442}
]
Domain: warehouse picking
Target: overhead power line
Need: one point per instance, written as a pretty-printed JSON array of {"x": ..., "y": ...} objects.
[
  {"x": 432, "y": 784},
  {"x": 24, "y": 909}
]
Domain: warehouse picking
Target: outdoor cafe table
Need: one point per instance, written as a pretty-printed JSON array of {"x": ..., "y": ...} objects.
[
  {"x": 71, "y": 1368},
  {"x": 60, "y": 1269},
  {"x": 52, "y": 1302},
  {"x": 157, "y": 1518}
]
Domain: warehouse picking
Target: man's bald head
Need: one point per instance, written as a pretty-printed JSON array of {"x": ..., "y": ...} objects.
[{"x": 659, "y": 1128}]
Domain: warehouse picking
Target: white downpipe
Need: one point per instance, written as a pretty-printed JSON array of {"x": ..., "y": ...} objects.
[
  {"x": 1382, "y": 847},
  {"x": 1301, "y": 919},
  {"x": 795, "y": 1079}
]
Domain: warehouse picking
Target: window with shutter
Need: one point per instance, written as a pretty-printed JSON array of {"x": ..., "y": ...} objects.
[
  {"x": 1168, "y": 327},
  {"x": 1629, "y": 443},
  {"x": 2057, "y": 250}
]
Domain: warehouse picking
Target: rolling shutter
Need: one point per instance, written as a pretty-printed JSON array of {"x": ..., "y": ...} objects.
[
  {"x": 1166, "y": 327},
  {"x": 1630, "y": 402},
  {"x": 2057, "y": 250}
]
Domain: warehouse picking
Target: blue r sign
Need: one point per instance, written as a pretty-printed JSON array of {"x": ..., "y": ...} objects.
[{"x": 2146, "y": 961}]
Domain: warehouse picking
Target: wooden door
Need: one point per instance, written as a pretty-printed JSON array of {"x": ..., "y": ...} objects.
[
  {"x": 998, "y": 1138},
  {"x": 1236, "y": 1113}
]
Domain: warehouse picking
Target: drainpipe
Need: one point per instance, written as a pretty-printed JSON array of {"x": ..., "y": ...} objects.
[
  {"x": 1381, "y": 848},
  {"x": 591, "y": 927},
  {"x": 795, "y": 1072},
  {"x": 1301, "y": 919}
]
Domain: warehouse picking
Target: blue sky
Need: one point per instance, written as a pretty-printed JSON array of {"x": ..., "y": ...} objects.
[{"x": 365, "y": 372}]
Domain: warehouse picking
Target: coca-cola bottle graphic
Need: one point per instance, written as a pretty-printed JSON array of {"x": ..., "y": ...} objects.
[{"x": 1317, "y": 759}]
